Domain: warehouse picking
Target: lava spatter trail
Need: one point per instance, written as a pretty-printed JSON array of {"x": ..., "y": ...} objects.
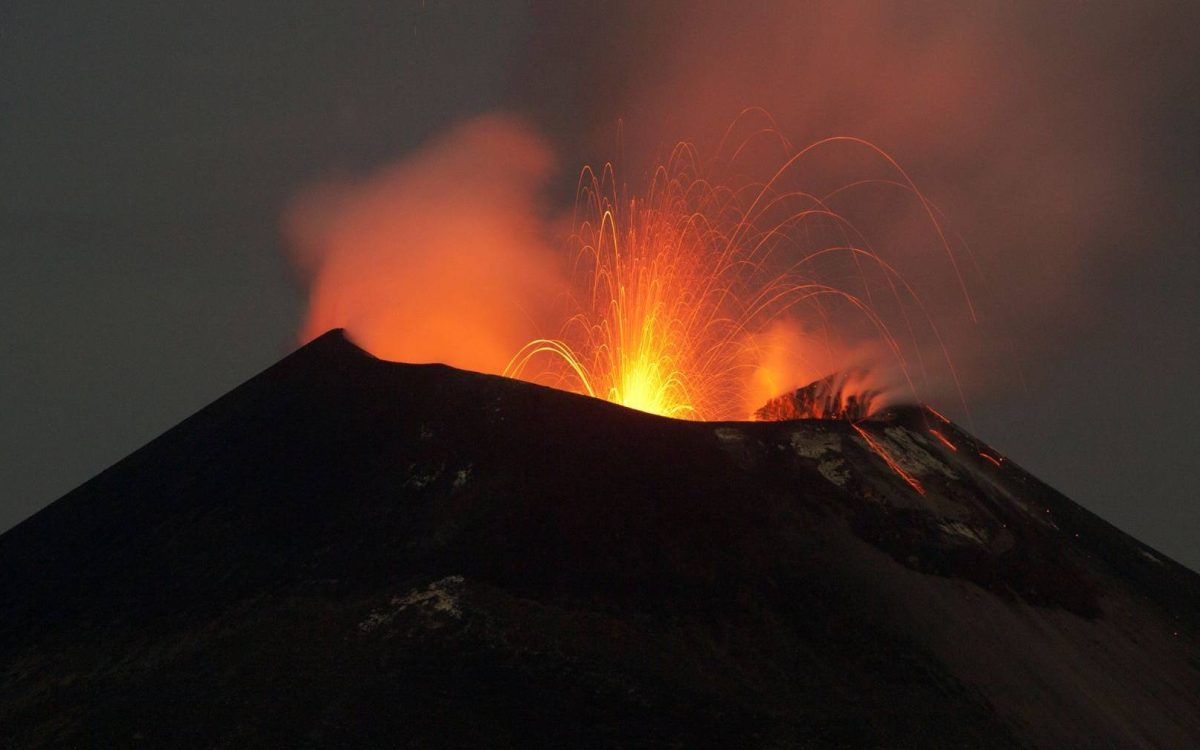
[{"x": 707, "y": 295}]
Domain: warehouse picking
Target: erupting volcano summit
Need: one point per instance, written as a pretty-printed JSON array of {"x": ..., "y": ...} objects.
[{"x": 346, "y": 551}]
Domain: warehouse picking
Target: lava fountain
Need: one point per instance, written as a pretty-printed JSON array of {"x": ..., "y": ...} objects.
[{"x": 701, "y": 298}]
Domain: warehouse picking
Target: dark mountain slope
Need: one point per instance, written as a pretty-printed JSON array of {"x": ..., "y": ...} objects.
[{"x": 349, "y": 552}]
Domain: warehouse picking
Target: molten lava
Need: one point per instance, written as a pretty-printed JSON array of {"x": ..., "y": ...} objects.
[{"x": 682, "y": 297}]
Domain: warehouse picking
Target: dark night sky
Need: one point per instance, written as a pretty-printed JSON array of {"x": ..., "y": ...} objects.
[{"x": 148, "y": 150}]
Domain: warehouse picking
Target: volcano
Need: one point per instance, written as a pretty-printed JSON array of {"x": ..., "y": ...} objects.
[{"x": 350, "y": 552}]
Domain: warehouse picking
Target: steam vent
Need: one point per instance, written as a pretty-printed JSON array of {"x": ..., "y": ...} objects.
[{"x": 346, "y": 552}]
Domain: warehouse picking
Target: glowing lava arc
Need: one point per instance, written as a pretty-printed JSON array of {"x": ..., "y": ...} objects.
[{"x": 680, "y": 291}]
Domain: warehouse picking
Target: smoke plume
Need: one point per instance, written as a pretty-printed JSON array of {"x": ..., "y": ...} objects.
[{"x": 439, "y": 258}]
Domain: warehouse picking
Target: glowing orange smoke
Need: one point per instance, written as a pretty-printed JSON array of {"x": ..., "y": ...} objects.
[{"x": 441, "y": 258}]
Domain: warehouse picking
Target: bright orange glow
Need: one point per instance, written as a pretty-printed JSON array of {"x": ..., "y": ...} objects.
[
  {"x": 703, "y": 299},
  {"x": 440, "y": 258}
]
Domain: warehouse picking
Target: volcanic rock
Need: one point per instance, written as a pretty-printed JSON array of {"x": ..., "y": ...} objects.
[{"x": 346, "y": 552}]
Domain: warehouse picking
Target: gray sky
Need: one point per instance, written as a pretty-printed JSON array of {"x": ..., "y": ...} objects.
[{"x": 148, "y": 151}]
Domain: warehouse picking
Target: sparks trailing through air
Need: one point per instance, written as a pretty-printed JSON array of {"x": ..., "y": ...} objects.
[{"x": 713, "y": 292}]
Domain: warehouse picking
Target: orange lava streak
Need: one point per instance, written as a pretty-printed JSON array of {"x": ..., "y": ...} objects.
[
  {"x": 991, "y": 458},
  {"x": 937, "y": 414},
  {"x": 943, "y": 440},
  {"x": 891, "y": 462}
]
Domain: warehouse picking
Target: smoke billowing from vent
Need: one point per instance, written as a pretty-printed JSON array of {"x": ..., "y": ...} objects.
[{"x": 442, "y": 257}]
